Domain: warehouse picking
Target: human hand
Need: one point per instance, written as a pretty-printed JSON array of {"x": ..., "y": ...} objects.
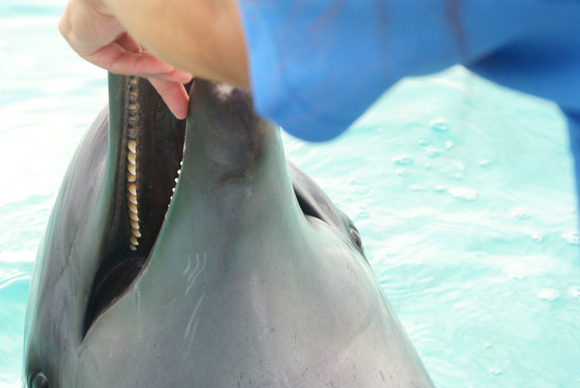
[{"x": 100, "y": 38}]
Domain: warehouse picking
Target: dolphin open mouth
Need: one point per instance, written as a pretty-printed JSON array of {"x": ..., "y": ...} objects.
[
  {"x": 247, "y": 275},
  {"x": 146, "y": 142},
  {"x": 145, "y": 154}
]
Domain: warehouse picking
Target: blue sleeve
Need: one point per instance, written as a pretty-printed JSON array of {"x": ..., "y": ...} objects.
[
  {"x": 316, "y": 66},
  {"x": 574, "y": 136}
]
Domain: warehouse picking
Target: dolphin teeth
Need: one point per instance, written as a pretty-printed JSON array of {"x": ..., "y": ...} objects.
[
  {"x": 132, "y": 198},
  {"x": 132, "y": 146},
  {"x": 132, "y": 133},
  {"x": 133, "y": 208},
  {"x": 132, "y": 188}
]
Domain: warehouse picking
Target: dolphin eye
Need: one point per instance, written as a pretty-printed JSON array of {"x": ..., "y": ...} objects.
[
  {"x": 40, "y": 381},
  {"x": 355, "y": 236}
]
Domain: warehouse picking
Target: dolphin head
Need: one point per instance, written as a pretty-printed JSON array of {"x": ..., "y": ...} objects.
[{"x": 193, "y": 254}]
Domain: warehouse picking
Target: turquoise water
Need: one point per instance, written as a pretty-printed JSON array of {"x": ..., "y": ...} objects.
[{"x": 462, "y": 191}]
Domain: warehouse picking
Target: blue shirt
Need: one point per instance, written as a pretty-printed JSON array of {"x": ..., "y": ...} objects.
[{"x": 317, "y": 65}]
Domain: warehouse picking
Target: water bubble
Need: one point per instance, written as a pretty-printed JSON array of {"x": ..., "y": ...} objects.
[
  {"x": 359, "y": 188},
  {"x": 484, "y": 163},
  {"x": 416, "y": 187},
  {"x": 571, "y": 238},
  {"x": 537, "y": 237},
  {"x": 449, "y": 145},
  {"x": 423, "y": 142},
  {"x": 574, "y": 291},
  {"x": 487, "y": 345},
  {"x": 428, "y": 166},
  {"x": 495, "y": 371},
  {"x": 362, "y": 214},
  {"x": 439, "y": 125},
  {"x": 401, "y": 172},
  {"x": 433, "y": 152},
  {"x": 460, "y": 166},
  {"x": 549, "y": 295},
  {"x": 403, "y": 160},
  {"x": 440, "y": 188},
  {"x": 520, "y": 213},
  {"x": 463, "y": 193},
  {"x": 458, "y": 177}
]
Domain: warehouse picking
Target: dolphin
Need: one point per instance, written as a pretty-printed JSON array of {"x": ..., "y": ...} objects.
[{"x": 192, "y": 254}]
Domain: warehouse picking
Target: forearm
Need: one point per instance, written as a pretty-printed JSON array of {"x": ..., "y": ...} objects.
[{"x": 203, "y": 37}]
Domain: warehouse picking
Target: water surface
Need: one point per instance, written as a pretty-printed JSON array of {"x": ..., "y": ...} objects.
[{"x": 462, "y": 191}]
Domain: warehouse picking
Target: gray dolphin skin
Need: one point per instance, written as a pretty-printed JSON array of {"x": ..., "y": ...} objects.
[{"x": 245, "y": 276}]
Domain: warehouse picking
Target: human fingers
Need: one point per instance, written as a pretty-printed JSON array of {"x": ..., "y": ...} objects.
[
  {"x": 87, "y": 29},
  {"x": 174, "y": 95},
  {"x": 116, "y": 59},
  {"x": 176, "y": 75},
  {"x": 128, "y": 43},
  {"x": 102, "y": 40},
  {"x": 166, "y": 79}
]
